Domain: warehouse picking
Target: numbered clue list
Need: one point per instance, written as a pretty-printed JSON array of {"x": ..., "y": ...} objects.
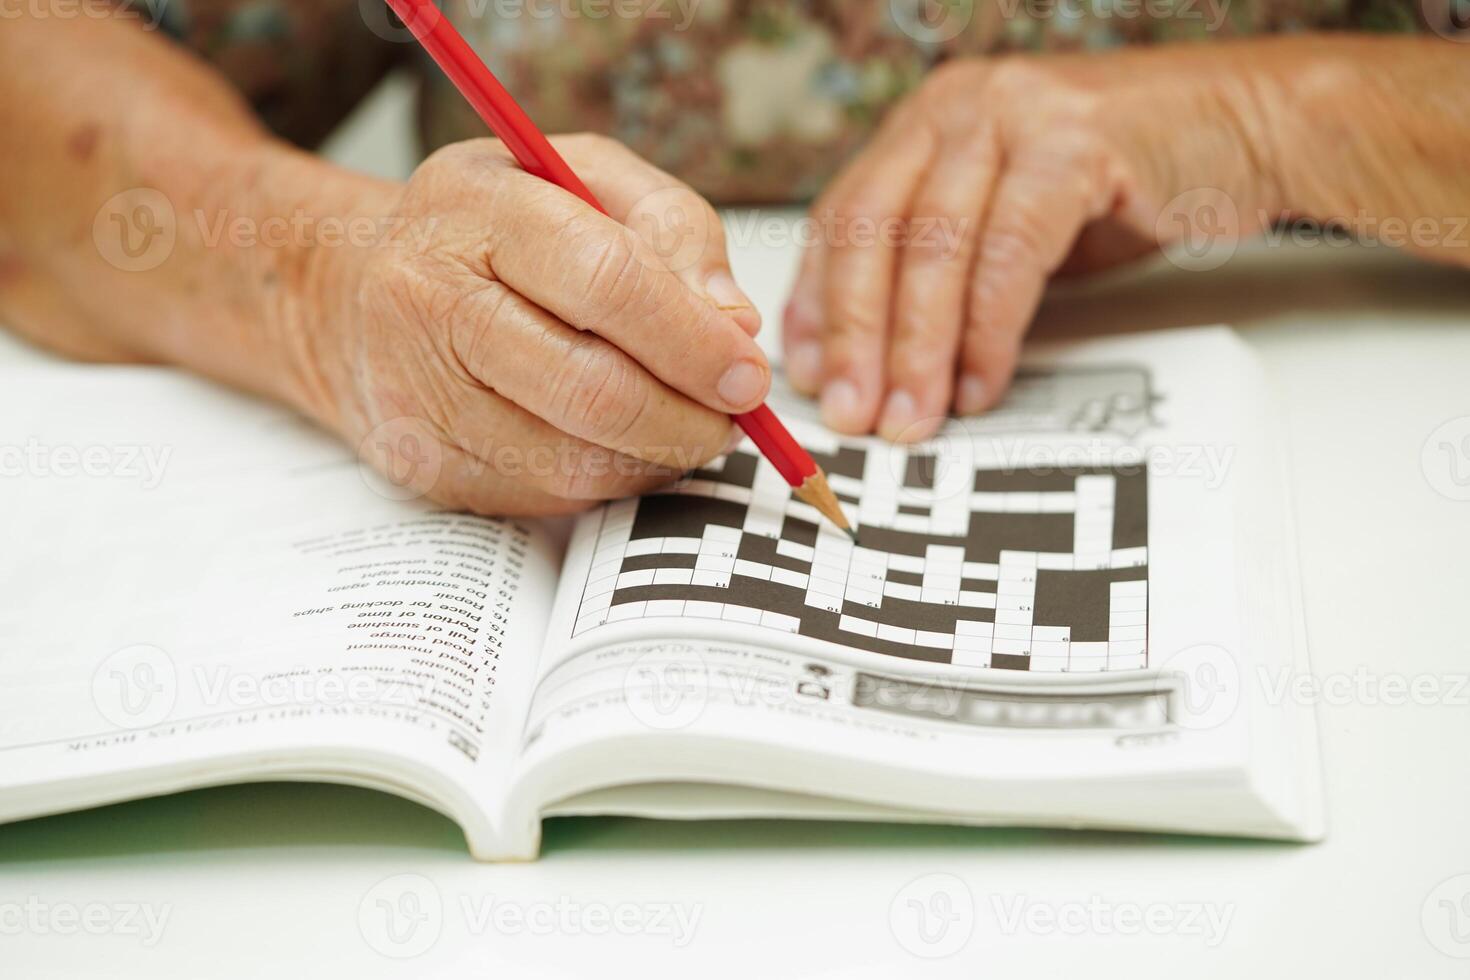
[{"x": 421, "y": 609}]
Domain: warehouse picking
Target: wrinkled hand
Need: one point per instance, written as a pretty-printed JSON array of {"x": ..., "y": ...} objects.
[
  {"x": 507, "y": 349},
  {"x": 934, "y": 246}
]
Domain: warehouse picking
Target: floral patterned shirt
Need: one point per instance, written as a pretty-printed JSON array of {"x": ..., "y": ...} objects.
[{"x": 748, "y": 100}]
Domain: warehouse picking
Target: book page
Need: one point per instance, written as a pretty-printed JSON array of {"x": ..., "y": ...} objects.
[
  {"x": 202, "y": 586},
  {"x": 1042, "y": 572}
]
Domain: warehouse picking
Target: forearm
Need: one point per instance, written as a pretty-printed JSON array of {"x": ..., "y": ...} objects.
[
  {"x": 204, "y": 268},
  {"x": 1369, "y": 133},
  {"x": 1380, "y": 138}
]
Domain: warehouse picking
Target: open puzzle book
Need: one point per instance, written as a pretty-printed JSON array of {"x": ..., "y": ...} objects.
[{"x": 1058, "y": 614}]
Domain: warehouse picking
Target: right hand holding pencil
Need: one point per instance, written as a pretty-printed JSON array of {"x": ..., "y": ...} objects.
[{"x": 507, "y": 349}]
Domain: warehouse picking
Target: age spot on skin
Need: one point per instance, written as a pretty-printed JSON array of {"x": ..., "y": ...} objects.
[
  {"x": 82, "y": 143},
  {"x": 12, "y": 268}
]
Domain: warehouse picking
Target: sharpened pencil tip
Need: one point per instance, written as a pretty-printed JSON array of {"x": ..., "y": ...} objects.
[{"x": 815, "y": 492}]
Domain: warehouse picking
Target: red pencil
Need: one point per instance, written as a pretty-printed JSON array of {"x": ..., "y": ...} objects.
[{"x": 535, "y": 153}]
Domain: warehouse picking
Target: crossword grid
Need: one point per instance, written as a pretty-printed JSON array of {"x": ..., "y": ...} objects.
[{"x": 1013, "y": 569}]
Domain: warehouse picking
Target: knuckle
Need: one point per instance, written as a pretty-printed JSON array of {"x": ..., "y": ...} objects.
[
  {"x": 1014, "y": 76},
  {"x": 916, "y": 358},
  {"x": 854, "y": 210},
  {"x": 591, "y": 143},
  {"x": 980, "y": 319},
  {"x": 455, "y": 157},
  {"x": 851, "y": 315},
  {"x": 702, "y": 212},
  {"x": 923, "y": 254},
  {"x": 615, "y": 273},
  {"x": 1085, "y": 149},
  {"x": 677, "y": 227},
  {"x": 599, "y": 394},
  {"x": 405, "y": 291},
  {"x": 990, "y": 324},
  {"x": 699, "y": 213},
  {"x": 473, "y": 339},
  {"x": 592, "y": 150},
  {"x": 863, "y": 222},
  {"x": 1016, "y": 241},
  {"x": 955, "y": 74}
]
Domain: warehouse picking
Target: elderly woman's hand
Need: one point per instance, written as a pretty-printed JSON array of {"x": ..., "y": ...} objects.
[
  {"x": 934, "y": 245},
  {"x": 506, "y": 349},
  {"x": 484, "y": 337}
]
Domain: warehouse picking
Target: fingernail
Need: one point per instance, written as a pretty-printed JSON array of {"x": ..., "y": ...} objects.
[
  {"x": 722, "y": 289},
  {"x": 970, "y": 395},
  {"x": 900, "y": 420},
  {"x": 840, "y": 405},
  {"x": 742, "y": 384},
  {"x": 804, "y": 365}
]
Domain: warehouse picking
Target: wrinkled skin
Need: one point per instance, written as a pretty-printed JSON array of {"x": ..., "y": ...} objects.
[
  {"x": 998, "y": 174},
  {"x": 539, "y": 355}
]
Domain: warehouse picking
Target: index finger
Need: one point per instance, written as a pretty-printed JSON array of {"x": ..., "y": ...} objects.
[
  {"x": 677, "y": 223},
  {"x": 595, "y": 274}
]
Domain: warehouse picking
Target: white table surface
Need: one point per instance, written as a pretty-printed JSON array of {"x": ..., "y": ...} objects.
[{"x": 1370, "y": 353}]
